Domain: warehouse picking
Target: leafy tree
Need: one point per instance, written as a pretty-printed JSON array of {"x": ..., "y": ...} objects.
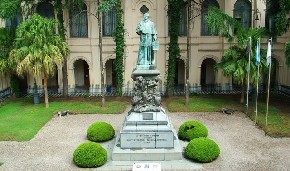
[
  {"x": 6, "y": 40},
  {"x": 37, "y": 48},
  {"x": 9, "y": 8},
  {"x": 234, "y": 62},
  {"x": 280, "y": 10}
]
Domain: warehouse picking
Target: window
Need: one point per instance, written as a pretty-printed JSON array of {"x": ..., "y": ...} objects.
[
  {"x": 183, "y": 21},
  {"x": 14, "y": 22},
  {"x": 205, "y": 30},
  {"x": 78, "y": 22},
  {"x": 243, "y": 12},
  {"x": 109, "y": 23},
  {"x": 45, "y": 9}
]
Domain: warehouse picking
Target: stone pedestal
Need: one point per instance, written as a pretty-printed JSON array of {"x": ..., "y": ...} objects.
[
  {"x": 147, "y": 130},
  {"x": 147, "y": 133}
]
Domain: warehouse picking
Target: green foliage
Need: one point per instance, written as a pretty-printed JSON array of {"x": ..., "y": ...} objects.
[
  {"x": 37, "y": 47},
  {"x": 59, "y": 9},
  {"x": 9, "y": 8},
  {"x": 287, "y": 53},
  {"x": 174, "y": 7},
  {"x": 202, "y": 149},
  {"x": 89, "y": 155},
  {"x": 223, "y": 24},
  {"x": 6, "y": 40},
  {"x": 119, "y": 38},
  {"x": 234, "y": 62},
  {"x": 192, "y": 129},
  {"x": 279, "y": 9},
  {"x": 71, "y": 4},
  {"x": 107, "y": 5},
  {"x": 100, "y": 131}
]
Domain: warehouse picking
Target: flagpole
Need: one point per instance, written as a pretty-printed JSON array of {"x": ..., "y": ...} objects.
[
  {"x": 269, "y": 80},
  {"x": 257, "y": 92},
  {"x": 248, "y": 84},
  {"x": 268, "y": 94},
  {"x": 257, "y": 88}
]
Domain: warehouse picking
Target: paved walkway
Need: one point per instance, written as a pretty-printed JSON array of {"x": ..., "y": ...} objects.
[{"x": 243, "y": 146}]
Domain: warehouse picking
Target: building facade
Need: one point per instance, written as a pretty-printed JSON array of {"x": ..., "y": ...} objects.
[{"x": 205, "y": 48}]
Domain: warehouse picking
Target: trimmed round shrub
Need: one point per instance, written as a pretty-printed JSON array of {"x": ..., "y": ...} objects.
[
  {"x": 100, "y": 131},
  {"x": 192, "y": 129},
  {"x": 202, "y": 149},
  {"x": 90, "y": 154}
]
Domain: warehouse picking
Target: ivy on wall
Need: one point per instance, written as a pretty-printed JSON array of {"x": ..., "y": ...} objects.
[
  {"x": 287, "y": 53},
  {"x": 119, "y": 38},
  {"x": 174, "y": 7},
  {"x": 6, "y": 41}
]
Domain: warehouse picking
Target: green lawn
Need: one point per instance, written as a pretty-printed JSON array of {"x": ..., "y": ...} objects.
[
  {"x": 278, "y": 119},
  {"x": 21, "y": 120},
  {"x": 201, "y": 104}
]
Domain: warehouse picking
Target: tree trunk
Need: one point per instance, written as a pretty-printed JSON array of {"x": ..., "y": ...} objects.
[
  {"x": 45, "y": 92},
  {"x": 242, "y": 94},
  {"x": 59, "y": 8},
  {"x": 64, "y": 77},
  {"x": 188, "y": 53},
  {"x": 101, "y": 58}
]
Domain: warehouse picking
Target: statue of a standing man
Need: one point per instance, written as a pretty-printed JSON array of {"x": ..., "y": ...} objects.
[{"x": 148, "y": 41}]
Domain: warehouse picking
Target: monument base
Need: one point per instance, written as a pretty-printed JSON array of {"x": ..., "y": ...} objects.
[
  {"x": 156, "y": 154},
  {"x": 147, "y": 130}
]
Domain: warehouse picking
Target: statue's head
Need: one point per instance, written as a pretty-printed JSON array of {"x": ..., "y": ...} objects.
[{"x": 146, "y": 16}]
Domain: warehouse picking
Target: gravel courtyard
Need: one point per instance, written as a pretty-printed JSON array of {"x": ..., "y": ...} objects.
[{"x": 243, "y": 145}]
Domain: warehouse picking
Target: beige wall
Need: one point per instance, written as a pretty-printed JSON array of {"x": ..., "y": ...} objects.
[
  {"x": 4, "y": 82},
  {"x": 201, "y": 47}
]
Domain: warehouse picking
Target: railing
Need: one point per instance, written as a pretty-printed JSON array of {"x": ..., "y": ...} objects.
[
  {"x": 128, "y": 91},
  {"x": 4, "y": 94}
]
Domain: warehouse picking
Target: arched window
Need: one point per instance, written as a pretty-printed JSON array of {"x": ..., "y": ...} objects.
[
  {"x": 183, "y": 20},
  {"x": 14, "y": 22},
  {"x": 109, "y": 22},
  {"x": 45, "y": 9},
  {"x": 78, "y": 21},
  {"x": 243, "y": 12},
  {"x": 270, "y": 23},
  {"x": 205, "y": 30}
]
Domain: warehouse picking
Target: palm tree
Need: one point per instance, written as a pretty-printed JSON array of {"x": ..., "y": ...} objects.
[
  {"x": 37, "y": 48},
  {"x": 234, "y": 62}
]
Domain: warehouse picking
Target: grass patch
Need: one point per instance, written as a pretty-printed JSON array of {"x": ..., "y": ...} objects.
[
  {"x": 201, "y": 104},
  {"x": 278, "y": 121},
  {"x": 278, "y": 115},
  {"x": 20, "y": 119}
]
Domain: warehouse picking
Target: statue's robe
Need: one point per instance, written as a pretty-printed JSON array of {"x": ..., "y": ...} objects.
[{"x": 146, "y": 30}]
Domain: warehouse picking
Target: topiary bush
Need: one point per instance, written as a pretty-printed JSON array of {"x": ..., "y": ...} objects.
[
  {"x": 192, "y": 129},
  {"x": 202, "y": 149},
  {"x": 100, "y": 131},
  {"x": 90, "y": 154}
]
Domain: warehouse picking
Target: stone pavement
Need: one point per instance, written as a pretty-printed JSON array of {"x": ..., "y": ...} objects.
[{"x": 243, "y": 145}]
